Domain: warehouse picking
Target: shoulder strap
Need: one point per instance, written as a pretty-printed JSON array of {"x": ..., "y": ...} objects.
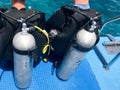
[{"x": 15, "y": 15}]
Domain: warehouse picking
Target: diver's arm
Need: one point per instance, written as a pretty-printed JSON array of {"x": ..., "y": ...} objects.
[
  {"x": 0, "y": 22},
  {"x": 2, "y": 10},
  {"x": 1, "y": 25}
]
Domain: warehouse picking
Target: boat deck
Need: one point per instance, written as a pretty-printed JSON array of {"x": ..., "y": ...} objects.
[
  {"x": 90, "y": 75},
  {"x": 107, "y": 79}
]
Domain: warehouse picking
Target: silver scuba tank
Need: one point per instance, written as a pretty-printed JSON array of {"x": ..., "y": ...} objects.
[
  {"x": 24, "y": 44},
  {"x": 84, "y": 41}
]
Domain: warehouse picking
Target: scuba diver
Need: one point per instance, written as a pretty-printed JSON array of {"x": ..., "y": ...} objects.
[
  {"x": 11, "y": 22},
  {"x": 76, "y": 33},
  {"x": 23, "y": 41}
]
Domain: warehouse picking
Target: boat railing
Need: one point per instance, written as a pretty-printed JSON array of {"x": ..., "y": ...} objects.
[{"x": 112, "y": 47}]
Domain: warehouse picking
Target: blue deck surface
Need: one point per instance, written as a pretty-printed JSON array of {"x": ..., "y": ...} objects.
[
  {"x": 90, "y": 75},
  {"x": 82, "y": 79},
  {"x": 107, "y": 79}
]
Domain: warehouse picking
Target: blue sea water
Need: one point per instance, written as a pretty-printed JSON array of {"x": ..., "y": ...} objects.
[{"x": 108, "y": 9}]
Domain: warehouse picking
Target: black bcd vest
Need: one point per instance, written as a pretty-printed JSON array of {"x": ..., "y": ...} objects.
[{"x": 10, "y": 27}]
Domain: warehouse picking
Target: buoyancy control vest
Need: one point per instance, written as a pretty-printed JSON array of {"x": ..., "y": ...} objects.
[
  {"x": 65, "y": 23},
  {"x": 10, "y": 26}
]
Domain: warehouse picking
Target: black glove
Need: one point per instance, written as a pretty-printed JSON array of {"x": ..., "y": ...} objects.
[{"x": 83, "y": 17}]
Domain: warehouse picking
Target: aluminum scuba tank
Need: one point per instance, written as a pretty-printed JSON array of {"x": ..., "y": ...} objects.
[
  {"x": 84, "y": 42},
  {"x": 24, "y": 44}
]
